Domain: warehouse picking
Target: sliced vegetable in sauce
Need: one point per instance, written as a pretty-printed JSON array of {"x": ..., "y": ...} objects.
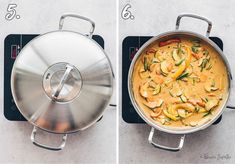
[
  {"x": 176, "y": 90},
  {"x": 183, "y": 75},
  {"x": 173, "y": 117},
  {"x": 164, "y": 66},
  {"x": 179, "y": 62},
  {"x": 207, "y": 113},
  {"x": 182, "y": 67},
  {"x": 154, "y": 104},
  {"x": 167, "y": 42},
  {"x": 175, "y": 55},
  {"x": 183, "y": 99},
  {"x": 193, "y": 123},
  {"x": 211, "y": 104},
  {"x": 151, "y": 50},
  {"x": 182, "y": 113},
  {"x": 210, "y": 86},
  {"x": 180, "y": 50},
  {"x": 195, "y": 49},
  {"x": 145, "y": 64},
  {"x": 157, "y": 89},
  {"x": 156, "y": 113}
]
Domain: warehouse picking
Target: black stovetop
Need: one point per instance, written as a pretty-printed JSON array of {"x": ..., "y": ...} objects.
[
  {"x": 13, "y": 43},
  {"x": 130, "y": 46}
]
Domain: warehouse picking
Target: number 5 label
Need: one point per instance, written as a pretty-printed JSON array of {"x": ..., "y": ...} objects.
[{"x": 11, "y": 12}]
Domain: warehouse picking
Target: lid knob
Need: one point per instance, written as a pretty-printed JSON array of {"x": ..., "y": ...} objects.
[{"x": 62, "y": 82}]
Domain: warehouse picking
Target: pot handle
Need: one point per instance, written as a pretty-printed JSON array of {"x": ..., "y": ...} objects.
[
  {"x": 150, "y": 139},
  {"x": 61, "y": 23},
  {"x": 33, "y": 136},
  {"x": 196, "y": 17},
  {"x": 230, "y": 107}
]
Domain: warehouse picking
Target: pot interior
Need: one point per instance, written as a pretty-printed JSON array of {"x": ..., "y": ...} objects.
[{"x": 169, "y": 101}]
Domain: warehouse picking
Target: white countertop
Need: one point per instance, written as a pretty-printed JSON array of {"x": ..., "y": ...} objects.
[
  {"x": 153, "y": 17},
  {"x": 94, "y": 145}
]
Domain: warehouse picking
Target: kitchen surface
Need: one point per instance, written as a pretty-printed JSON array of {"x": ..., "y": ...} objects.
[
  {"x": 96, "y": 144},
  {"x": 149, "y": 18},
  {"x": 138, "y": 21}
]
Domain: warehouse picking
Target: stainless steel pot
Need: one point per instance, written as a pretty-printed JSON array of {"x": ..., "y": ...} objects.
[
  {"x": 62, "y": 81},
  {"x": 165, "y": 36}
]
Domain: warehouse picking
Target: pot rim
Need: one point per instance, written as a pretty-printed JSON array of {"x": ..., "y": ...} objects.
[
  {"x": 105, "y": 106},
  {"x": 163, "y": 128}
]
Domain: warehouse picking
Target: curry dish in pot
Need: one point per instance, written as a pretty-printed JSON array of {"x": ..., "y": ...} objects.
[{"x": 180, "y": 82}]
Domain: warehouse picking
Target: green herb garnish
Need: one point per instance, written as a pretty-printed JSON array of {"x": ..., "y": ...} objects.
[
  {"x": 145, "y": 64},
  {"x": 205, "y": 52},
  {"x": 195, "y": 49},
  {"x": 179, "y": 62},
  {"x": 179, "y": 50},
  {"x": 183, "y": 75},
  {"x": 208, "y": 113}
]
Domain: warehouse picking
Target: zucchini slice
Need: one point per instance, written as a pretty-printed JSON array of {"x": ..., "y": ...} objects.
[
  {"x": 163, "y": 67},
  {"x": 154, "y": 104},
  {"x": 175, "y": 55},
  {"x": 211, "y": 104},
  {"x": 182, "y": 113}
]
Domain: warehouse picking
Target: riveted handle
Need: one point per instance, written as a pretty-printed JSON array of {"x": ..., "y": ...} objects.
[
  {"x": 61, "y": 23},
  {"x": 150, "y": 139},
  {"x": 231, "y": 79},
  {"x": 230, "y": 107},
  {"x": 196, "y": 17},
  {"x": 60, "y": 147}
]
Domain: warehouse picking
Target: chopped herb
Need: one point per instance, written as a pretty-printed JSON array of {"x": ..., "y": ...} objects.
[
  {"x": 167, "y": 119},
  {"x": 205, "y": 52},
  {"x": 172, "y": 95},
  {"x": 179, "y": 49},
  {"x": 182, "y": 76},
  {"x": 195, "y": 49},
  {"x": 194, "y": 81},
  {"x": 183, "y": 98},
  {"x": 209, "y": 67},
  {"x": 204, "y": 63},
  {"x": 155, "y": 60},
  {"x": 157, "y": 90},
  {"x": 179, "y": 62},
  {"x": 145, "y": 64},
  {"x": 184, "y": 123},
  {"x": 196, "y": 108},
  {"x": 196, "y": 43},
  {"x": 155, "y": 54},
  {"x": 208, "y": 113},
  {"x": 205, "y": 99},
  {"x": 213, "y": 83}
]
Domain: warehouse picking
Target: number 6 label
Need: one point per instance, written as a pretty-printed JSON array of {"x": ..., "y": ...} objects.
[{"x": 126, "y": 14}]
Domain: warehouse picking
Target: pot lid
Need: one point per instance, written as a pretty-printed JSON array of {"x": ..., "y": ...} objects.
[{"x": 62, "y": 81}]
